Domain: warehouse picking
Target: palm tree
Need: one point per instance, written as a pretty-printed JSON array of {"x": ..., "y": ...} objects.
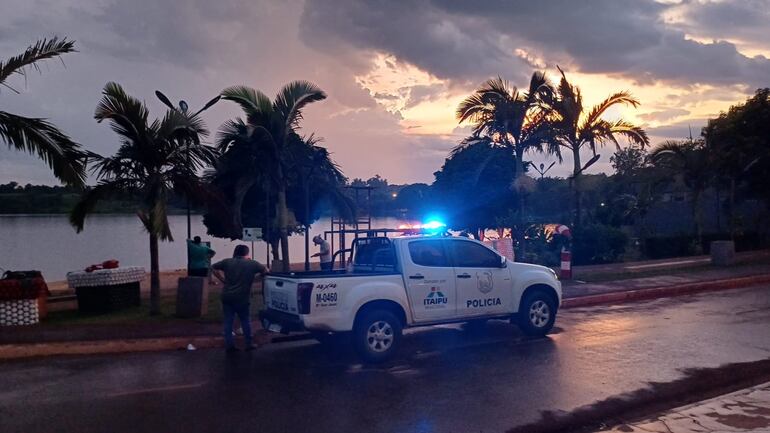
[
  {"x": 36, "y": 135},
  {"x": 265, "y": 135},
  {"x": 149, "y": 166},
  {"x": 691, "y": 160},
  {"x": 515, "y": 120},
  {"x": 575, "y": 129}
]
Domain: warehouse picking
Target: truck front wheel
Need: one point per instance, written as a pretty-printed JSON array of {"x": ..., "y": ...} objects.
[
  {"x": 376, "y": 335},
  {"x": 537, "y": 314}
]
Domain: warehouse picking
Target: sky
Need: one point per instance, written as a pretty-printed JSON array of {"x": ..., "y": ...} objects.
[{"x": 394, "y": 71}]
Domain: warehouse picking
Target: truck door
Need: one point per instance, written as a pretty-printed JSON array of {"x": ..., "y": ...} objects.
[
  {"x": 430, "y": 280},
  {"x": 484, "y": 286}
]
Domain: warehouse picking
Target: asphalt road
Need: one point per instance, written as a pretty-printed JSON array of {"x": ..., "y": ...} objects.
[{"x": 447, "y": 379}]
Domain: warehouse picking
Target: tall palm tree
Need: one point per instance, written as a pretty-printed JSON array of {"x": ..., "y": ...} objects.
[
  {"x": 691, "y": 160},
  {"x": 510, "y": 118},
  {"x": 149, "y": 166},
  {"x": 36, "y": 135},
  {"x": 267, "y": 130},
  {"x": 574, "y": 128}
]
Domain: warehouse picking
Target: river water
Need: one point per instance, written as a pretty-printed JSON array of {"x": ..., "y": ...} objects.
[{"x": 48, "y": 243}]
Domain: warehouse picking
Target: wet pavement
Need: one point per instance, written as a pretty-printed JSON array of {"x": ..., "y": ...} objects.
[
  {"x": 446, "y": 379},
  {"x": 747, "y": 410}
]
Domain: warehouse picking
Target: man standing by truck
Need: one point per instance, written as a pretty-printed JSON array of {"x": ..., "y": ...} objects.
[
  {"x": 325, "y": 253},
  {"x": 239, "y": 273}
]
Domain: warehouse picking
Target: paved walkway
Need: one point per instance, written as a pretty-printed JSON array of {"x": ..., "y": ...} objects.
[
  {"x": 665, "y": 264},
  {"x": 574, "y": 288},
  {"x": 747, "y": 410}
]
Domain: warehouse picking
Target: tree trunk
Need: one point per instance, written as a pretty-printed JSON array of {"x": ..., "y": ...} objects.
[
  {"x": 520, "y": 229},
  {"x": 283, "y": 222},
  {"x": 241, "y": 189},
  {"x": 274, "y": 249},
  {"x": 154, "y": 276},
  {"x": 732, "y": 209},
  {"x": 696, "y": 216},
  {"x": 307, "y": 226},
  {"x": 576, "y": 187}
]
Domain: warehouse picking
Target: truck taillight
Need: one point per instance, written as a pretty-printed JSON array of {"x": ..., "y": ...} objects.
[{"x": 304, "y": 291}]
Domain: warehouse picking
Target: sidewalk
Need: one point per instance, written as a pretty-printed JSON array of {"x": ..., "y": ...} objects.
[
  {"x": 747, "y": 410},
  {"x": 44, "y": 339}
]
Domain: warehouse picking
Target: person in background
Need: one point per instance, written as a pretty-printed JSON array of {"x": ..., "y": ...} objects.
[
  {"x": 239, "y": 273},
  {"x": 198, "y": 257},
  {"x": 325, "y": 252}
]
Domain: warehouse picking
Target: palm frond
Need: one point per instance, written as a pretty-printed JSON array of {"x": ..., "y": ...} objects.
[
  {"x": 38, "y": 136},
  {"x": 90, "y": 198},
  {"x": 43, "y": 49},
  {"x": 251, "y": 101},
  {"x": 292, "y": 98},
  {"x": 126, "y": 114},
  {"x": 617, "y": 98}
]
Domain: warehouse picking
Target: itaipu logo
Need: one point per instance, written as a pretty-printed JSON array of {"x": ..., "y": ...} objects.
[{"x": 435, "y": 299}]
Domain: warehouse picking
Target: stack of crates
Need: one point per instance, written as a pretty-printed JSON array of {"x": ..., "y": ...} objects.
[{"x": 21, "y": 295}]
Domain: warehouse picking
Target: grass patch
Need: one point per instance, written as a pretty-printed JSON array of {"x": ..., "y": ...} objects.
[
  {"x": 141, "y": 314},
  {"x": 614, "y": 276}
]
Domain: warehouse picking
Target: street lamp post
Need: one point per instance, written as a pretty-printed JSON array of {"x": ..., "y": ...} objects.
[{"x": 183, "y": 109}]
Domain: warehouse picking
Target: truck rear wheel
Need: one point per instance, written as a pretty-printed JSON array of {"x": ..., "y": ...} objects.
[
  {"x": 537, "y": 314},
  {"x": 376, "y": 335}
]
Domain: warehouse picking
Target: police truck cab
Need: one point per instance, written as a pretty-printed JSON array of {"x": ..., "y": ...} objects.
[{"x": 406, "y": 281}]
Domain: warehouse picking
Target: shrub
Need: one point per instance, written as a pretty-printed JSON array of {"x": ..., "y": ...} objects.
[{"x": 597, "y": 244}]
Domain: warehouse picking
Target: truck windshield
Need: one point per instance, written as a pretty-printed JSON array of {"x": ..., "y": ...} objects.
[{"x": 374, "y": 255}]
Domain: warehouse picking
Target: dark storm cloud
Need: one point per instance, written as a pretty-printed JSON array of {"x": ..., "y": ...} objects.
[
  {"x": 468, "y": 40},
  {"x": 746, "y": 20},
  {"x": 433, "y": 39}
]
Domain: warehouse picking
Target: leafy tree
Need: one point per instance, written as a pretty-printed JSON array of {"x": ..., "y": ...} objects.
[
  {"x": 575, "y": 129},
  {"x": 415, "y": 200},
  {"x": 691, "y": 160},
  {"x": 628, "y": 161},
  {"x": 741, "y": 138},
  {"x": 36, "y": 135},
  {"x": 263, "y": 139},
  {"x": 315, "y": 178},
  {"x": 475, "y": 196},
  {"x": 149, "y": 166}
]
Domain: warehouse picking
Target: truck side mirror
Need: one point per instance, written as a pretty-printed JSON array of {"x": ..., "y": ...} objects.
[{"x": 503, "y": 262}]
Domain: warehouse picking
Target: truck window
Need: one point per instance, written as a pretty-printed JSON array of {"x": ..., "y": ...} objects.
[
  {"x": 472, "y": 255},
  {"x": 428, "y": 253},
  {"x": 374, "y": 255}
]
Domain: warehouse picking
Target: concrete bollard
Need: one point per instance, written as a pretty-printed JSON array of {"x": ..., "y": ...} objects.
[
  {"x": 722, "y": 253},
  {"x": 566, "y": 265},
  {"x": 192, "y": 297}
]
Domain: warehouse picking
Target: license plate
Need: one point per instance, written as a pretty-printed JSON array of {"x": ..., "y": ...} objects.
[
  {"x": 279, "y": 301},
  {"x": 274, "y": 327}
]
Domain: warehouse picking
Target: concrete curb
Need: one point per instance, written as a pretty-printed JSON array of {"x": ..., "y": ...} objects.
[
  {"x": 17, "y": 351},
  {"x": 663, "y": 292},
  {"x": 98, "y": 347}
]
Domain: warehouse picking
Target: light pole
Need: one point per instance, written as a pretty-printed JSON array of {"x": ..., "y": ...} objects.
[
  {"x": 183, "y": 107},
  {"x": 542, "y": 170}
]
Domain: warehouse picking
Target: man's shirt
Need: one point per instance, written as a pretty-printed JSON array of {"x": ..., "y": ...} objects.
[{"x": 239, "y": 276}]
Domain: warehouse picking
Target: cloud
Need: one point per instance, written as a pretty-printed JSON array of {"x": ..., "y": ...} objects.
[
  {"x": 744, "y": 22},
  {"x": 461, "y": 40},
  {"x": 664, "y": 115}
]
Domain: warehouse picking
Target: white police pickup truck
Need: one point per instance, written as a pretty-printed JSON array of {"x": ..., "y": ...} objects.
[{"x": 391, "y": 284}]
